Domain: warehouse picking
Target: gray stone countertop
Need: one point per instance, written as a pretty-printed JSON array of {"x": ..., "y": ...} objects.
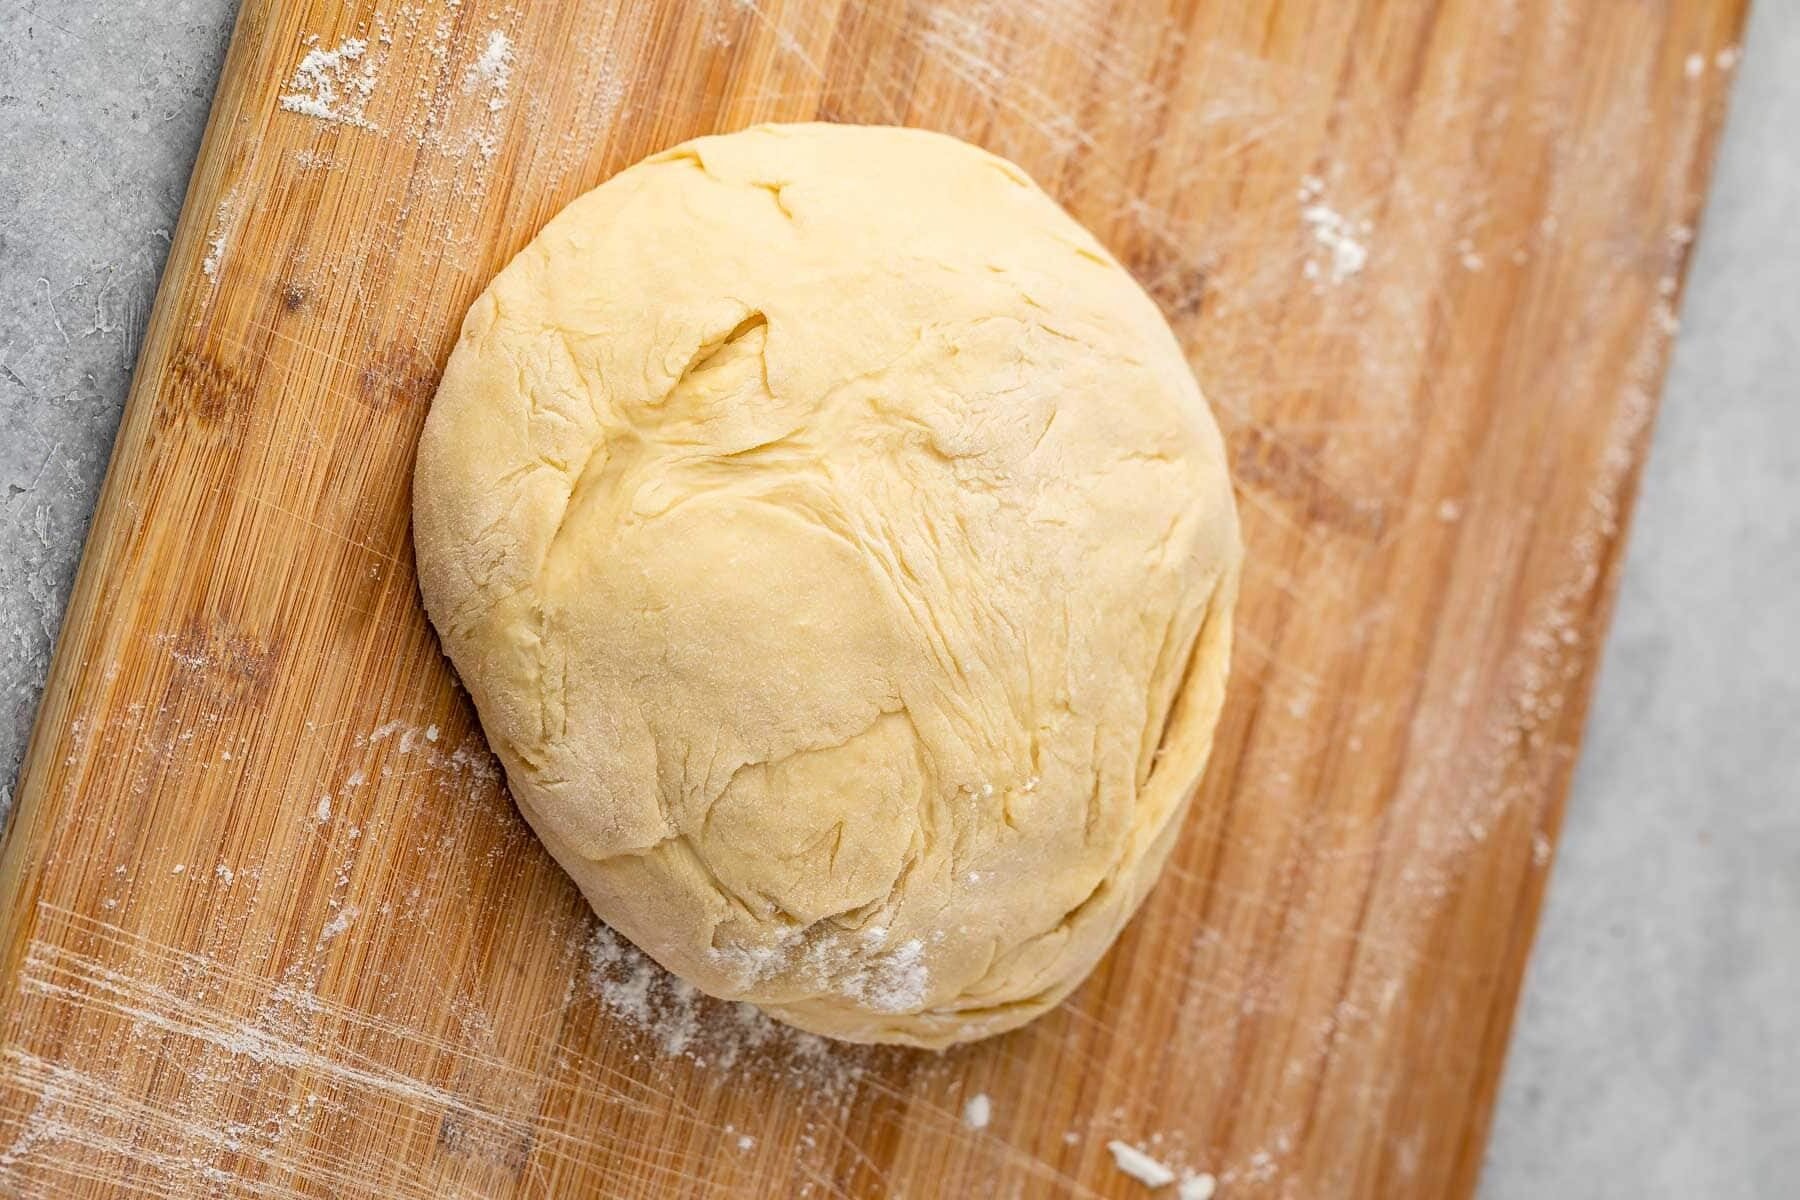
[{"x": 1657, "y": 1049}]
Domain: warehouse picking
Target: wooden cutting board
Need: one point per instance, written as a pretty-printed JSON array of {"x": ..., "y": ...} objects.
[{"x": 271, "y": 925}]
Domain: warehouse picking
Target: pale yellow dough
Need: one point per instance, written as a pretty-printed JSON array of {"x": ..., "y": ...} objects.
[{"x": 841, "y": 557}]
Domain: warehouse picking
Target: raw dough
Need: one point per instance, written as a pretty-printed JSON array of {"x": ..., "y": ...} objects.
[{"x": 841, "y": 557}]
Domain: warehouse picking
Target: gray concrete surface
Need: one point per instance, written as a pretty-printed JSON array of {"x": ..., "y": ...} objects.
[
  {"x": 101, "y": 107},
  {"x": 1657, "y": 1052}
]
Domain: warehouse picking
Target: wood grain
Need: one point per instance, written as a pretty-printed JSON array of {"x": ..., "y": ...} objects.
[{"x": 272, "y": 927}]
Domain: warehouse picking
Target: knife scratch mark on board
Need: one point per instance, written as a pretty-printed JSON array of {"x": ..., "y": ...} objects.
[{"x": 233, "y": 1039}]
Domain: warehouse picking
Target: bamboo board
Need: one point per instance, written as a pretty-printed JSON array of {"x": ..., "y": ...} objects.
[{"x": 271, "y": 926}]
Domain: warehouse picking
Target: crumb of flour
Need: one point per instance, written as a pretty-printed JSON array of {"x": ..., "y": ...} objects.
[
  {"x": 1196, "y": 1185},
  {"x": 1343, "y": 239},
  {"x": 978, "y": 1111},
  {"x": 1140, "y": 1166}
]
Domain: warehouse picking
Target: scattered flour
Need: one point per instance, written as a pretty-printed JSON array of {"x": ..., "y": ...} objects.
[
  {"x": 385, "y": 730},
  {"x": 633, "y": 987},
  {"x": 1140, "y": 1166},
  {"x": 978, "y": 1111},
  {"x": 309, "y": 159},
  {"x": 334, "y": 85},
  {"x": 678, "y": 1019},
  {"x": 493, "y": 70},
  {"x": 459, "y": 124},
  {"x": 220, "y": 236},
  {"x": 339, "y": 923},
  {"x": 323, "y": 812}
]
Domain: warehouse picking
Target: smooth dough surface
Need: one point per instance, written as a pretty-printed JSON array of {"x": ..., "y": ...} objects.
[{"x": 841, "y": 558}]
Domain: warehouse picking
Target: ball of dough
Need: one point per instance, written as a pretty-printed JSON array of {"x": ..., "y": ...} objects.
[{"x": 841, "y": 558}]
